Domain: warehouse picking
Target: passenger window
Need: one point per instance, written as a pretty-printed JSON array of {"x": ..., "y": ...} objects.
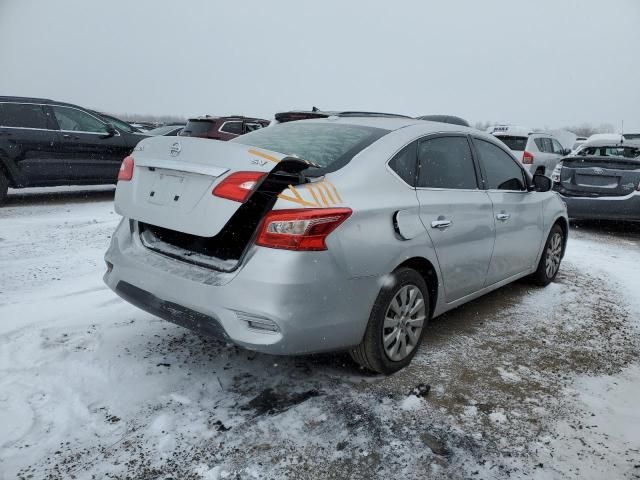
[
  {"x": 250, "y": 127},
  {"x": 232, "y": 127},
  {"x": 555, "y": 145},
  {"x": 446, "y": 162},
  {"x": 405, "y": 163},
  {"x": 72, "y": 119},
  {"x": 502, "y": 171},
  {"x": 24, "y": 115}
]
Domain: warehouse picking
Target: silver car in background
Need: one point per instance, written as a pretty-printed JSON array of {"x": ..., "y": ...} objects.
[
  {"x": 344, "y": 233},
  {"x": 538, "y": 152}
]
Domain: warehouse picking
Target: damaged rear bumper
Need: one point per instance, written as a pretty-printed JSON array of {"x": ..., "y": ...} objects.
[{"x": 278, "y": 301}]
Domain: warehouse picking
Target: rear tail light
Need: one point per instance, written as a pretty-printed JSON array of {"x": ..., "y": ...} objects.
[
  {"x": 638, "y": 189},
  {"x": 238, "y": 186},
  {"x": 300, "y": 229},
  {"x": 527, "y": 158},
  {"x": 126, "y": 169},
  {"x": 555, "y": 175}
]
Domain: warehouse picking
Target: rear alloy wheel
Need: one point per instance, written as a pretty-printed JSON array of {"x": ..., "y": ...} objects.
[
  {"x": 396, "y": 324},
  {"x": 551, "y": 257},
  {"x": 4, "y": 187}
]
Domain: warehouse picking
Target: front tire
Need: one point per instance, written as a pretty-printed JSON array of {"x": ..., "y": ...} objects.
[
  {"x": 396, "y": 325},
  {"x": 551, "y": 257}
]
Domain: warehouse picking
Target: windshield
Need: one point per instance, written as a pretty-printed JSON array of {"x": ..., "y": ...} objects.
[
  {"x": 514, "y": 143},
  {"x": 331, "y": 146},
  {"x": 195, "y": 128},
  {"x": 122, "y": 125},
  {"x": 611, "y": 151},
  {"x": 163, "y": 130}
]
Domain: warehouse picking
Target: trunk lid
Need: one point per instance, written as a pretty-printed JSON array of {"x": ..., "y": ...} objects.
[
  {"x": 599, "y": 176},
  {"x": 173, "y": 181}
]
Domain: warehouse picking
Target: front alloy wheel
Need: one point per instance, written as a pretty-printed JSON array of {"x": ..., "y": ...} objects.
[
  {"x": 551, "y": 257},
  {"x": 553, "y": 254}
]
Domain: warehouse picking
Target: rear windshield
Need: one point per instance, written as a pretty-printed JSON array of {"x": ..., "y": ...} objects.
[
  {"x": 617, "y": 151},
  {"x": 196, "y": 127},
  {"x": 331, "y": 146},
  {"x": 514, "y": 143}
]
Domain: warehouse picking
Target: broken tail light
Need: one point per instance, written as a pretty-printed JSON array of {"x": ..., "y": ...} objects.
[
  {"x": 300, "y": 229},
  {"x": 125, "y": 174},
  {"x": 527, "y": 158},
  {"x": 238, "y": 186}
]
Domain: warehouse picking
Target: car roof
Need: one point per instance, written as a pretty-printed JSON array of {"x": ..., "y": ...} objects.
[
  {"x": 212, "y": 118},
  {"x": 295, "y": 115},
  {"x": 44, "y": 101},
  {"x": 395, "y": 123},
  {"x": 445, "y": 119},
  {"x": 611, "y": 143},
  {"x": 514, "y": 130}
]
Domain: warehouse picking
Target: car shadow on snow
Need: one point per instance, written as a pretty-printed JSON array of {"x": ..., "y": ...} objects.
[
  {"x": 269, "y": 383},
  {"x": 59, "y": 195}
]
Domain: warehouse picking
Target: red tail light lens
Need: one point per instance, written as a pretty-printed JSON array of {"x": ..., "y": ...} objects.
[
  {"x": 300, "y": 229},
  {"x": 527, "y": 158},
  {"x": 126, "y": 169},
  {"x": 238, "y": 186}
]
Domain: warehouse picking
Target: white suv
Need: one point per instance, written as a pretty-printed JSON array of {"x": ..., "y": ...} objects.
[{"x": 538, "y": 152}]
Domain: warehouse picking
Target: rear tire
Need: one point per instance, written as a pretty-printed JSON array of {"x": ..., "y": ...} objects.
[
  {"x": 396, "y": 325},
  {"x": 551, "y": 257},
  {"x": 4, "y": 187}
]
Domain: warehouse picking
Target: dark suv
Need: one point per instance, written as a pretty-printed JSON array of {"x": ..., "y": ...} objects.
[
  {"x": 46, "y": 143},
  {"x": 221, "y": 128}
]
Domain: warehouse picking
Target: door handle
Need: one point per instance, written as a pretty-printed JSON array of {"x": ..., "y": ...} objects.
[
  {"x": 441, "y": 224},
  {"x": 503, "y": 216},
  {"x": 66, "y": 135}
]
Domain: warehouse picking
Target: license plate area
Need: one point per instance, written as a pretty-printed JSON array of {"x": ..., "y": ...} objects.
[
  {"x": 604, "y": 181},
  {"x": 166, "y": 189}
]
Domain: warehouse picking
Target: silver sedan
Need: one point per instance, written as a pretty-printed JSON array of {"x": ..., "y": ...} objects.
[{"x": 344, "y": 233}]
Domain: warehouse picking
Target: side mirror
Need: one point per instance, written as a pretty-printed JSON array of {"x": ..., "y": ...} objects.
[
  {"x": 566, "y": 151},
  {"x": 541, "y": 183},
  {"x": 111, "y": 131}
]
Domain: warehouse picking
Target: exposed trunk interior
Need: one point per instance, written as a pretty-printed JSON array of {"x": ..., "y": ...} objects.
[{"x": 224, "y": 250}]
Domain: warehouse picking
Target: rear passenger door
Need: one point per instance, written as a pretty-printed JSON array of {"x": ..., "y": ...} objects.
[
  {"x": 457, "y": 214},
  {"x": 517, "y": 213},
  {"x": 547, "y": 158},
  {"x": 29, "y": 139}
]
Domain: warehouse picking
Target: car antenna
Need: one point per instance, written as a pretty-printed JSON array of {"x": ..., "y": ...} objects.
[{"x": 622, "y": 131}]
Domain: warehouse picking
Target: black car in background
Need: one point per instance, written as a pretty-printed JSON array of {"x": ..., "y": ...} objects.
[
  {"x": 47, "y": 143},
  {"x": 166, "y": 130}
]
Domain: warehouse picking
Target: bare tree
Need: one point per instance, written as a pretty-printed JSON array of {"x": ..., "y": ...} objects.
[
  {"x": 586, "y": 129},
  {"x": 159, "y": 119}
]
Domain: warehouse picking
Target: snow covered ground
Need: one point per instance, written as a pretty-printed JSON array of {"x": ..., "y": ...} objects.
[{"x": 524, "y": 383}]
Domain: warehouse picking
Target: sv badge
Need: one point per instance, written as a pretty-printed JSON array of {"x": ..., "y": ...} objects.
[{"x": 257, "y": 161}]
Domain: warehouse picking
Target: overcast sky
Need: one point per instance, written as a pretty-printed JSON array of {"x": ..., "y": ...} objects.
[{"x": 544, "y": 63}]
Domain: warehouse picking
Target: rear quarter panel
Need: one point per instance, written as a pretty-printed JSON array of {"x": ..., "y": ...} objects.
[{"x": 367, "y": 242}]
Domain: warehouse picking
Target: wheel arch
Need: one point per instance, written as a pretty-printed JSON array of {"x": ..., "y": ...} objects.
[
  {"x": 6, "y": 171},
  {"x": 427, "y": 270}
]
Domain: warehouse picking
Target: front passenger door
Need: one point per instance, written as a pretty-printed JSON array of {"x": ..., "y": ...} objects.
[
  {"x": 517, "y": 213},
  {"x": 458, "y": 215},
  {"x": 90, "y": 154}
]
